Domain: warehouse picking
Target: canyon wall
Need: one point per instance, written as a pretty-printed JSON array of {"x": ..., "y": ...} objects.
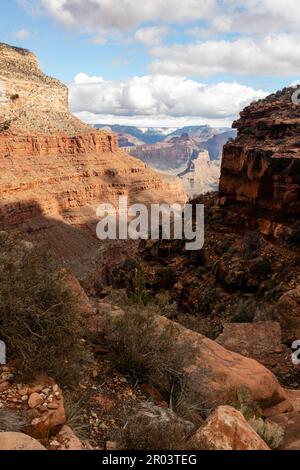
[
  {"x": 56, "y": 170},
  {"x": 261, "y": 168}
]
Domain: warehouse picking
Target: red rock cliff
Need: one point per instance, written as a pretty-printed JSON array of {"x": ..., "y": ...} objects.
[
  {"x": 261, "y": 167},
  {"x": 54, "y": 169}
]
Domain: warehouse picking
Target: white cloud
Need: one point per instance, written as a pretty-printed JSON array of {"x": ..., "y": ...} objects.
[
  {"x": 113, "y": 18},
  {"x": 158, "y": 98},
  {"x": 271, "y": 55},
  {"x": 266, "y": 32},
  {"x": 151, "y": 36},
  {"x": 104, "y": 16},
  {"x": 22, "y": 34}
]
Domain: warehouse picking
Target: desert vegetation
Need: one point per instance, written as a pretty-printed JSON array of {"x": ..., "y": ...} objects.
[{"x": 38, "y": 312}]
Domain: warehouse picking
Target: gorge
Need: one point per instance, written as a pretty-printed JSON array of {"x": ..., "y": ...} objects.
[{"x": 167, "y": 348}]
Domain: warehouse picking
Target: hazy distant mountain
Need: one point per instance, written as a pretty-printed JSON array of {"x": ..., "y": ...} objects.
[
  {"x": 192, "y": 152},
  {"x": 145, "y": 135}
]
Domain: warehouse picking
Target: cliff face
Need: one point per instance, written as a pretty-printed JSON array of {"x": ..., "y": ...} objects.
[
  {"x": 55, "y": 170},
  {"x": 202, "y": 175},
  {"x": 33, "y": 102},
  {"x": 261, "y": 167}
]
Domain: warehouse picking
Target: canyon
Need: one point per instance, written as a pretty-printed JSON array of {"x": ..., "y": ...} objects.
[
  {"x": 56, "y": 170},
  {"x": 184, "y": 349},
  {"x": 179, "y": 153}
]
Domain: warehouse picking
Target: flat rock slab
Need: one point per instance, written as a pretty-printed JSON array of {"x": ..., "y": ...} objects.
[{"x": 256, "y": 340}]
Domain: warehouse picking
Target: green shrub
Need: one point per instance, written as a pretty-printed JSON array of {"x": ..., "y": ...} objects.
[
  {"x": 38, "y": 312},
  {"x": 262, "y": 267},
  {"x": 246, "y": 405},
  {"x": 270, "y": 432}
]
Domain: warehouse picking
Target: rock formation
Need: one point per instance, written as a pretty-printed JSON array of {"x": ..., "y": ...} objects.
[
  {"x": 227, "y": 429},
  {"x": 55, "y": 170},
  {"x": 214, "y": 374},
  {"x": 261, "y": 167},
  {"x": 202, "y": 175}
]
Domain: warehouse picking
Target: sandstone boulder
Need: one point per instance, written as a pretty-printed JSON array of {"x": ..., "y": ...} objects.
[
  {"x": 227, "y": 429},
  {"x": 18, "y": 441},
  {"x": 214, "y": 374},
  {"x": 259, "y": 340},
  {"x": 48, "y": 415},
  {"x": 69, "y": 439}
]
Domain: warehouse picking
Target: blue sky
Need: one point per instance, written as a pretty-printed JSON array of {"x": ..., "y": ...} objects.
[{"x": 166, "y": 63}]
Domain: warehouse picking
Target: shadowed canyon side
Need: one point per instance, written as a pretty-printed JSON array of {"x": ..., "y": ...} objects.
[
  {"x": 261, "y": 168},
  {"x": 56, "y": 170}
]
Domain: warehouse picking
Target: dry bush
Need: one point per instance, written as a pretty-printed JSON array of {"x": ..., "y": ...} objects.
[
  {"x": 243, "y": 311},
  {"x": 147, "y": 352},
  {"x": 270, "y": 432},
  {"x": 251, "y": 245},
  {"x": 74, "y": 409},
  {"x": 245, "y": 404},
  {"x": 156, "y": 429},
  {"x": 11, "y": 421},
  {"x": 38, "y": 313},
  {"x": 143, "y": 351}
]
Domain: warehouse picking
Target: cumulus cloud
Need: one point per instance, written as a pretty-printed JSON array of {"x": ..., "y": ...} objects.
[
  {"x": 158, "y": 98},
  {"x": 102, "y": 17},
  {"x": 272, "y": 55},
  {"x": 151, "y": 35},
  {"x": 266, "y": 32}
]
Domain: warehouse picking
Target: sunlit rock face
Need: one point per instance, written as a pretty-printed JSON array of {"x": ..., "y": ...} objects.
[
  {"x": 56, "y": 170},
  {"x": 261, "y": 166}
]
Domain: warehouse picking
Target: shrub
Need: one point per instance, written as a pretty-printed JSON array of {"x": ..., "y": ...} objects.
[
  {"x": 166, "y": 305},
  {"x": 38, "y": 313},
  {"x": 156, "y": 429},
  {"x": 246, "y": 405},
  {"x": 251, "y": 245},
  {"x": 262, "y": 267},
  {"x": 270, "y": 432},
  {"x": 244, "y": 311},
  {"x": 140, "y": 350},
  {"x": 10, "y": 421},
  {"x": 75, "y": 414}
]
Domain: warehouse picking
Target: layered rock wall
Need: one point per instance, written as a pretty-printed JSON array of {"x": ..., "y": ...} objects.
[
  {"x": 261, "y": 167},
  {"x": 56, "y": 170}
]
